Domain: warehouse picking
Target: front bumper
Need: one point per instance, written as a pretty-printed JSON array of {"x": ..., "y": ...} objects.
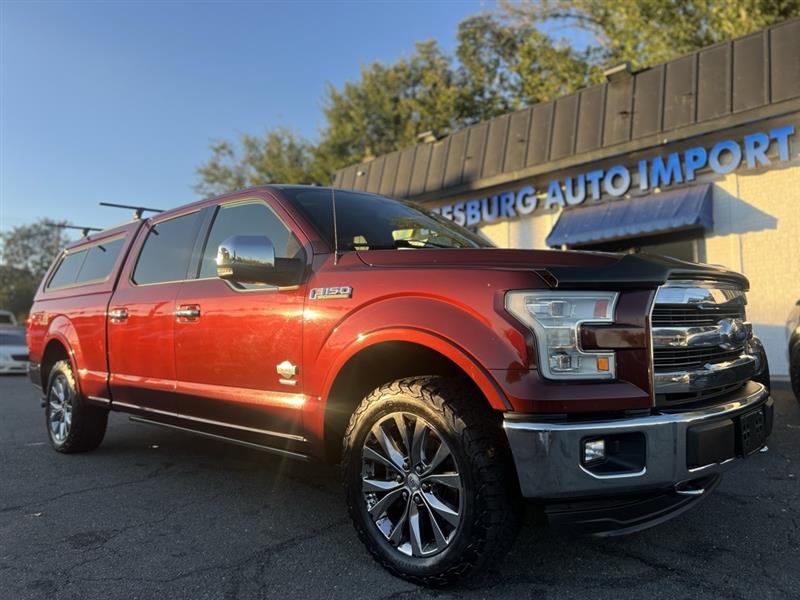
[{"x": 674, "y": 449}]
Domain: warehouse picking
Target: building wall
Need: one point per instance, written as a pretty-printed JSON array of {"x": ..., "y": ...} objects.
[
  {"x": 757, "y": 232},
  {"x": 526, "y": 232}
]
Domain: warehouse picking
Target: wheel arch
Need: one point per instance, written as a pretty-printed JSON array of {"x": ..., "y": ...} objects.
[
  {"x": 387, "y": 355},
  {"x": 60, "y": 344},
  {"x": 54, "y": 351}
]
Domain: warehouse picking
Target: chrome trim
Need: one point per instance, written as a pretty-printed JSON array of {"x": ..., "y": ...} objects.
[
  {"x": 118, "y": 314},
  {"x": 99, "y": 399},
  {"x": 187, "y": 313},
  {"x": 266, "y": 288},
  {"x": 288, "y": 436},
  {"x": 252, "y": 255},
  {"x": 286, "y": 369},
  {"x": 330, "y": 293},
  {"x": 613, "y": 475},
  {"x": 700, "y": 469},
  {"x": 712, "y": 375},
  {"x": 688, "y": 417},
  {"x": 679, "y": 489},
  {"x": 691, "y": 292},
  {"x": 270, "y": 449},
  {"x": 728, "y": 333},
  {"x": 143, "y": 408},
  {"x": 548, "y": 455},
  {"x": 651, "y": 365}
]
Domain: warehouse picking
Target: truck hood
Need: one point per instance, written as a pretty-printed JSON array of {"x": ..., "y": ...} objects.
[{"x": 562, "y": 269}]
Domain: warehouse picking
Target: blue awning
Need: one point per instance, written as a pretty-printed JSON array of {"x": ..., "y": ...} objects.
[{"x": 658, "y": 213}]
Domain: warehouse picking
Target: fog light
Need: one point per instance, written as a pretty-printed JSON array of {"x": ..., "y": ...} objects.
[{"x": 594, "y": 451}]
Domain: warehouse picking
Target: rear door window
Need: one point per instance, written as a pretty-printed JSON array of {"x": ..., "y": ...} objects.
[
  {"x": 167, "y": 250},
  {"x": 67, "y": 270}
]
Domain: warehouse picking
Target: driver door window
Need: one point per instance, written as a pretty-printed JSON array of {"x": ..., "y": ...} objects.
[{"x": 251, "y": 218}]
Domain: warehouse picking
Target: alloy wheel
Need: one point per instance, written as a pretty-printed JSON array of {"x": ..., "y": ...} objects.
[
  {"x": 411, "y": 486},
  {"x": 60, "y": 414}
]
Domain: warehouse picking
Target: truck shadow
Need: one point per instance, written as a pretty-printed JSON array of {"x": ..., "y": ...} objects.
[{"x": 294, "y": 511}]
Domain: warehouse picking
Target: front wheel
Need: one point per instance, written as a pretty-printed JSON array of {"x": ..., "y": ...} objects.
[
  {"x": 73, "y": 426},
  {"x": 429, "y": 479}
]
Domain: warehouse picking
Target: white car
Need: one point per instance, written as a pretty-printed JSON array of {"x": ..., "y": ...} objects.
[
  {"x": 7, "y": 319},
  {"x": 13, "y": 351}
]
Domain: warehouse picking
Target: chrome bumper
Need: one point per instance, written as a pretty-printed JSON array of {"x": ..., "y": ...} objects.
[
  {"x": 711, "y": 376},
  {"x": 548, "y": 455}
]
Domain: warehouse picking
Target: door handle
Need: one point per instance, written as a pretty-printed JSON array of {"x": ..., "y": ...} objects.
[
  {"x": 188, "y": 312},
  {"x": 118, "y": 314}
]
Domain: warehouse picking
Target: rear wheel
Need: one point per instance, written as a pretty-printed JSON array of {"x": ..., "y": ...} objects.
[
  {"x": 72, "y": 425},
  {"x": 429, "y": 479}
]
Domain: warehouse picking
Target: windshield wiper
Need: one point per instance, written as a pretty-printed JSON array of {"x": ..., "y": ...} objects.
[
  {"x": 423, "y": 244},
  {"x": 418, "y": 244},
  {"x": 366, "y": 247}
]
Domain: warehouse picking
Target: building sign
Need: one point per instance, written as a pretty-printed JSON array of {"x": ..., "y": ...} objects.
[{"x": 659, "y": 172}]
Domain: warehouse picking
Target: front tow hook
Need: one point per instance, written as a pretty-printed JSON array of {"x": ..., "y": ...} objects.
[{"x": 690, "y": 488}]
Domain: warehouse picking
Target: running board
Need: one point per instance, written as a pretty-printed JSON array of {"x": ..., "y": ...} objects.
[{"x": 214, "y": 436}]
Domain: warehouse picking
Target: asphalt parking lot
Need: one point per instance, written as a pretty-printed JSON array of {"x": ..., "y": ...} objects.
[{"x": 160, "y": 514}]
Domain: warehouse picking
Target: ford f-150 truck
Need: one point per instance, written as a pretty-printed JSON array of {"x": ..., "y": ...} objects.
[{"x": 450, "y": 379}]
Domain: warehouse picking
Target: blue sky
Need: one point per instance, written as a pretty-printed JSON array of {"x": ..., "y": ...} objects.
[{"x": 117, "y": 101}]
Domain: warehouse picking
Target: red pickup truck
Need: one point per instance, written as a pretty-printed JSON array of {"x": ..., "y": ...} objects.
[{"x": 451, "y": 379}]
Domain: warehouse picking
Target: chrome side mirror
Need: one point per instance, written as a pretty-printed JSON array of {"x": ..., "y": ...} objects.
[{"x": 246, "y": 259}]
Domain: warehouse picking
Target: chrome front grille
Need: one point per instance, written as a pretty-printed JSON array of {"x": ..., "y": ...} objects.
[
  {"x": 701, "y": 341},
  {"x": 692, "y": 358},
  {"x": 674, "y": 314}
]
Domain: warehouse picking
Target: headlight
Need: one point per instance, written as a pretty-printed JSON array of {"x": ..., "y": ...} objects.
[{"x": 554, "y": 318}]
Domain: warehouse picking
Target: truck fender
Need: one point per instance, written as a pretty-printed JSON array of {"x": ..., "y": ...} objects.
[
  {"x": 60, "y": 329},
  {"x": 427, "y": 322}
]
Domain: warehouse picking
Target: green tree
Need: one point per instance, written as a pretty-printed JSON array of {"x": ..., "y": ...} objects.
[
  {"x": 17, "y": 289},
  {"x": 32, "y": 247},
  {"x": 506, "y": 63},
  {"x": 647, "y": 32},
  {"x": 388, "y": 107},
  {"x": 26, "y": 253},
  {"x": 279, "y": 156}
]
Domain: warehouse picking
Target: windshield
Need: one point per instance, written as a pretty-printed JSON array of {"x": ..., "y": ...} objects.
[
  {"x": 12, "y": 339},
  {"x": 369, "y": 222}
]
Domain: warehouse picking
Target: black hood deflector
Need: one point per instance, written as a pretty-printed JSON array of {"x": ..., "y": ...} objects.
[{"x": 637, "y": 271}]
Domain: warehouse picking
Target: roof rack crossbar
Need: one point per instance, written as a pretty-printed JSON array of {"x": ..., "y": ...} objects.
[
  {"x": 84, "y": 230},
  {"x": 138, "y": 211}
]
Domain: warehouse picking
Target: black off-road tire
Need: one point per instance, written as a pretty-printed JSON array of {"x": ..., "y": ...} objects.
[
  {"x": 88, "y": 423},
  {"x": 492, "y": 506}
]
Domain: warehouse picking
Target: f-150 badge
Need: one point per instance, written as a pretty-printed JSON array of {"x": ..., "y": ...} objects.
[{"x": 328, "y": 293}]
